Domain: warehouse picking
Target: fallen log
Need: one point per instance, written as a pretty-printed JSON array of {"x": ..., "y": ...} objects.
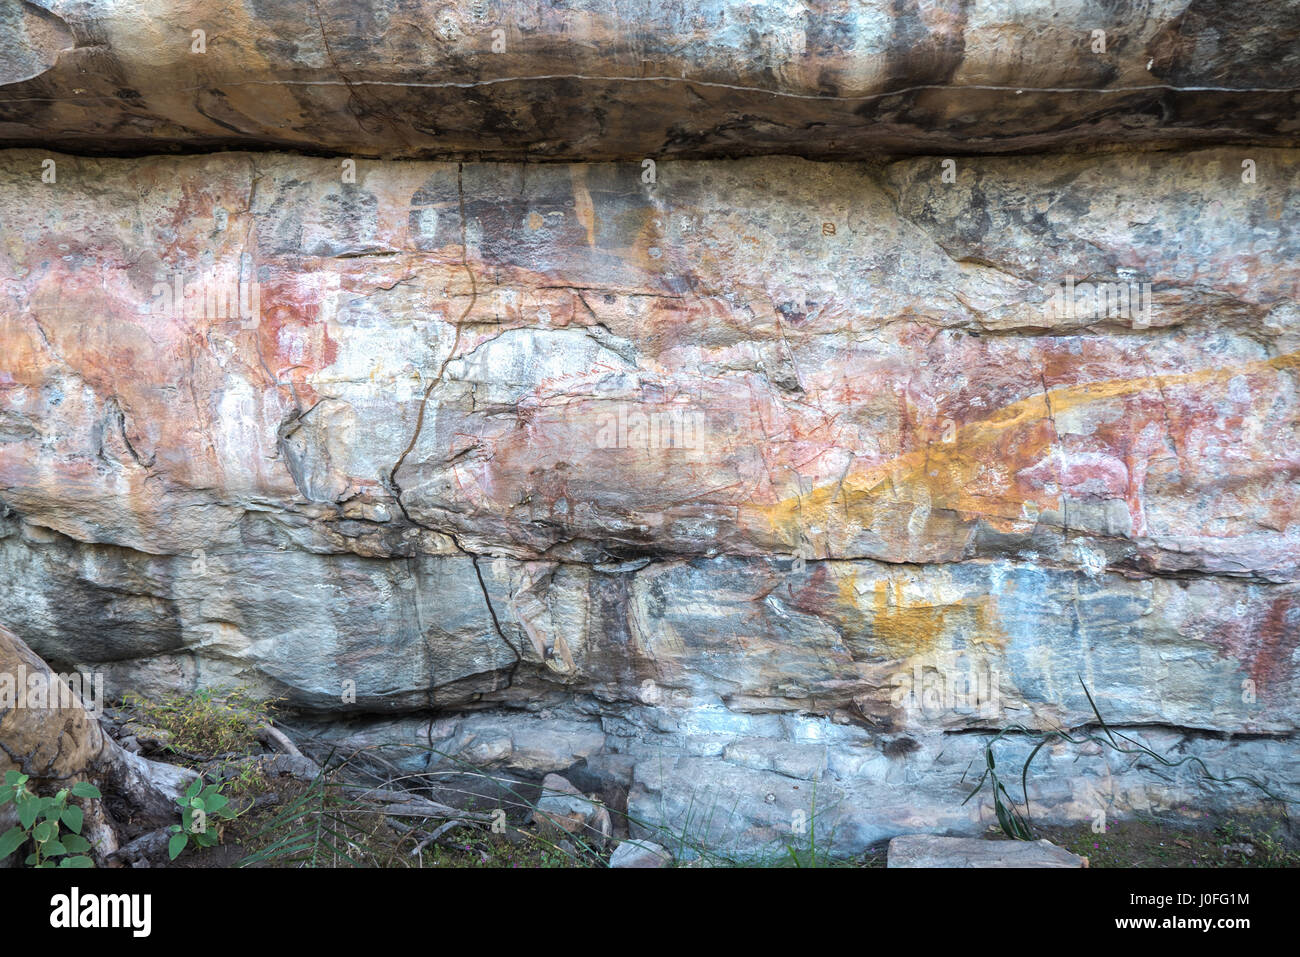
[{"x": 403, "y": 804}]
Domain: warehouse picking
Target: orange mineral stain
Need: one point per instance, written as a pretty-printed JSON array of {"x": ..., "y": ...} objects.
[
  {"x": 978, "y": 474},
  {"x": 898, "y": 624}
]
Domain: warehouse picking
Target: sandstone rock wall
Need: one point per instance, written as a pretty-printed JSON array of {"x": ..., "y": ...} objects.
[
  {"x": 719, "y": 482},
  {"x": 616, "y": 79}
]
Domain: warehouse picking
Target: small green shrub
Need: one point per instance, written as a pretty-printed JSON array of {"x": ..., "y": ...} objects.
[
  {"x": 50, "y": 824},
  {"x": 197, "y": 804},
  {"x": 207, "y": 723}
]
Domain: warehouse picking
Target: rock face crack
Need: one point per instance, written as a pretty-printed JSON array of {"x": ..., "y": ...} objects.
[
  {"x": 763, "y": 91},
  {"x": 419, "y": 425},
  {"x": 343, "y": 77},
  {"x": 451, "y": 352}
]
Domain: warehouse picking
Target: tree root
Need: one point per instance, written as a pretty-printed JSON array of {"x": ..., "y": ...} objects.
[{"x": 56, "y": 741}]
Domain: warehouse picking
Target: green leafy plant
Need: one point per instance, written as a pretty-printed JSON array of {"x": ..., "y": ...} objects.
[
  {"x": 50, "y": 824},
  {"x": 198, "y": 803}
]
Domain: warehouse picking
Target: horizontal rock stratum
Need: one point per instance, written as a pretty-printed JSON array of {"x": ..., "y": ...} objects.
[
  {"x": 762, "y": 474},
  {"x": 593, "y": 80}
]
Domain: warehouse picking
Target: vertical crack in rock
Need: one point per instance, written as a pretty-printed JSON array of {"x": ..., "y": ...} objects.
[
  {"x": 451, "y": 353},
  {"x": 353, "y": 95},
  {"x": 393, "y": 483},
  {"x": 496, "y": 623}
]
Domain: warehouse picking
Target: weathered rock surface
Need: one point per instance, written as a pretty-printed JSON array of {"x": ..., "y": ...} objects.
[
  {"x": 769, "y": 474},
  {"x": 753, "y": 493},
  {"x": 931, "y": 850},
  {"x": 593, "y": 80},
  {"x": 566, "y": 364}
]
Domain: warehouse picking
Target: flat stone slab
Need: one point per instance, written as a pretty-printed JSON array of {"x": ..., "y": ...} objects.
[
  {"x": 931, "y": 850},
  {"x": 640, "y": 854}
]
